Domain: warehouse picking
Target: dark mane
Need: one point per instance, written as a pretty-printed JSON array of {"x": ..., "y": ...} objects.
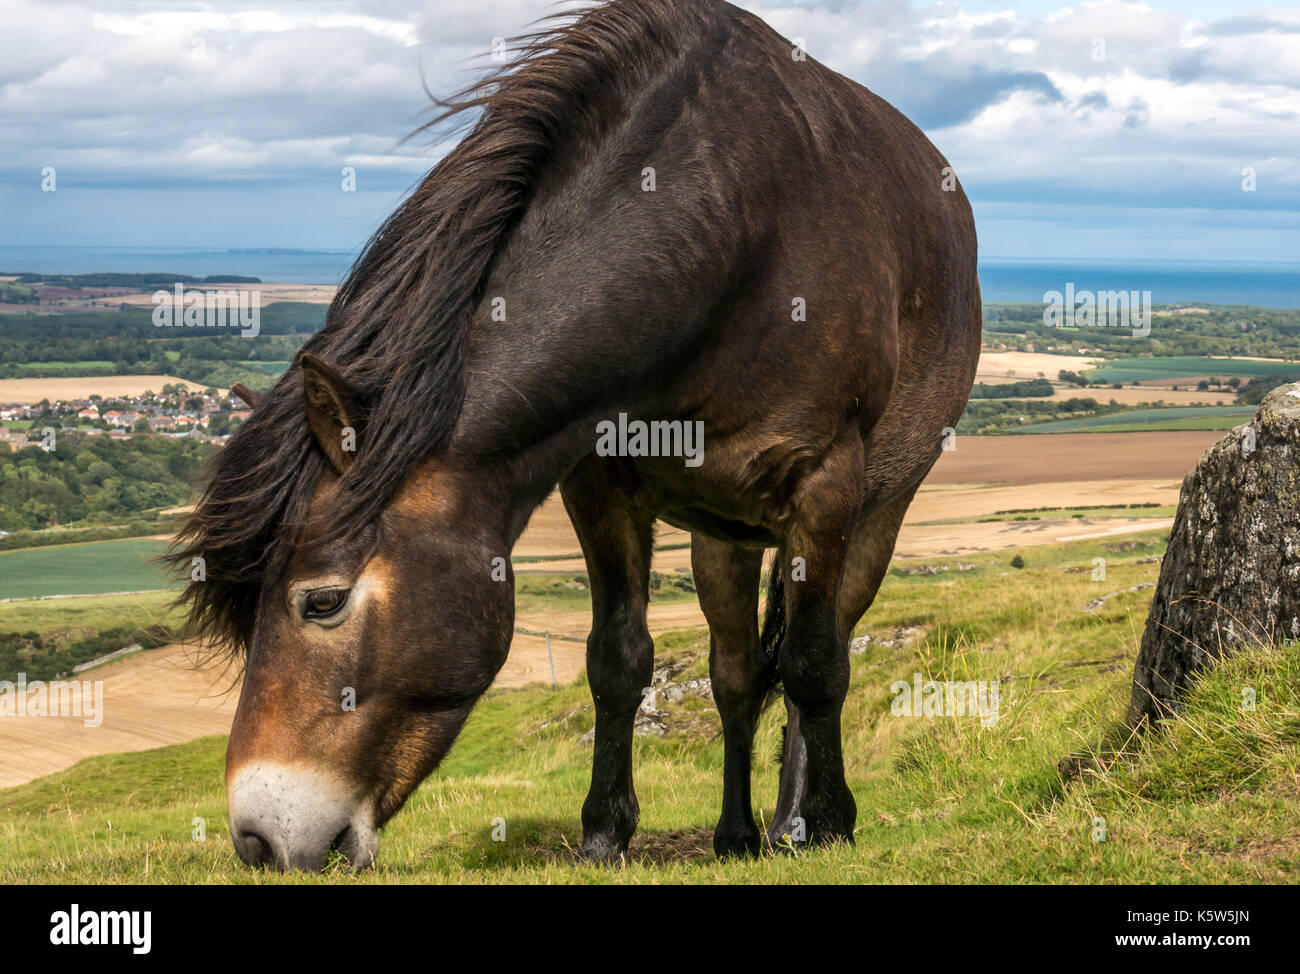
[{"x": 398, "y": 327}]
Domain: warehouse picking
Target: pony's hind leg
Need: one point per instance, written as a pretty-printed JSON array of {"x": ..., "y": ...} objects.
[
  {"x": 870, "y": 549},
  {"x": 726, "y": 579},
  {"x": 812, "y": 660},
  {"x": 617, "y": 542}
]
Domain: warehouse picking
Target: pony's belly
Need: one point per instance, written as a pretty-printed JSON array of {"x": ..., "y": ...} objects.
[{"x": 699, "y": 520}]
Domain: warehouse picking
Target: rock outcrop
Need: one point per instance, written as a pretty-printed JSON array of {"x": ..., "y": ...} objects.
[{"x": 1231, "y": 576}]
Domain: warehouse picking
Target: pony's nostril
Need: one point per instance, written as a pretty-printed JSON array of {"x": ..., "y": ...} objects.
[
  {"x": 357, "y": 846},
  {"x": 253, "y": 849}
]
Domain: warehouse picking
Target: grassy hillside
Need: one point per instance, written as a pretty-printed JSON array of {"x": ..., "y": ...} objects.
[{"x": 1212, "y": 799}]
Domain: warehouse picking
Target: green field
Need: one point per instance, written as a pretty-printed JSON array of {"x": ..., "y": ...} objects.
[
  {"x": 1211, "y": 799},
  {"x": 1149, "y": 420},
  {"x": 270, "y": 368},
  {"x": 86, "y": 614},
  {"x": 83, "y": 368},
  {"x": 82, "y": 569},
  {"x": 1182, "y": 367}
]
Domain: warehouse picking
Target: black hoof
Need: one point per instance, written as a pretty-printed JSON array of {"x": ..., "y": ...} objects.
[
  {"x": 785, "y": 837},
  {"x": 602, "y": 851},
  {"x": 735, "y": 843},
  {"x": 798, "y": 833}
]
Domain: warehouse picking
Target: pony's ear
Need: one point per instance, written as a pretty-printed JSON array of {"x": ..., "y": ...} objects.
[
  {"x": 251, "y": 399},
  {"x": 333, "y": 411}
]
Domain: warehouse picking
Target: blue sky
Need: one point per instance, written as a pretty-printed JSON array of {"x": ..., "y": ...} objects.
[{"x": 1090, "y": 130}]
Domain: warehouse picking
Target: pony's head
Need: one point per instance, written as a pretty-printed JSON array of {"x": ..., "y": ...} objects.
[{"x": 368, "y": 643}]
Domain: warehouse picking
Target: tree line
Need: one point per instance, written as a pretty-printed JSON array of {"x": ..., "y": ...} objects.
[{"x": 92, "y": 478}]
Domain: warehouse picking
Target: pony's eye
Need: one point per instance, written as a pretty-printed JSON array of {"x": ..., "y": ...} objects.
[{"x": 324, "y": 602}]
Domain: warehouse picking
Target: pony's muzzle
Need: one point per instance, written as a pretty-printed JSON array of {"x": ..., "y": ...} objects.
[{"x": 287, "y": 817}]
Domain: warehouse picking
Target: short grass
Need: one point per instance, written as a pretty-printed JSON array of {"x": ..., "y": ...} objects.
[
  {"x": 83, "y": 569},
  {"x": 1209, "y": 799}
]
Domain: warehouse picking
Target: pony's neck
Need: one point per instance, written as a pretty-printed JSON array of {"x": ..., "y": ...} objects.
[{"x": 496, "y": 497}]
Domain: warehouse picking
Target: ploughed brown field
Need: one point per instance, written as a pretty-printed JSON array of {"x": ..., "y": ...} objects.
[
  {"x": 158, "y": 698},
  {"x": 270, "y": 293},
  {"x": 1053, "y": 457},
  {"x": 31, "y": 391},
  {"x": 149, "y": 700}
]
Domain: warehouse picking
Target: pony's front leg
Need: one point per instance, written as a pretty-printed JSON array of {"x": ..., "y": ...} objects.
[{"x": 617, "y": 544}]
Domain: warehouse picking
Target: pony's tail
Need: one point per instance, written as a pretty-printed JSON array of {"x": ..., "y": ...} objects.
[{"x": 773, "y": 631}]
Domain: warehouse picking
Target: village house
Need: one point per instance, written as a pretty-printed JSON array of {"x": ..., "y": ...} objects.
[
  {"x": 121, "y": 417},
  {"x": 122, "y": 413}
]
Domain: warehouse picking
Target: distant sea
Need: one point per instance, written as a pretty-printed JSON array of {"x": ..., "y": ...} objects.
[
  {"x": 1003, "y": 279},
  {"x": 1264, "y": 284},
  {"x": 269, "y": 264}
]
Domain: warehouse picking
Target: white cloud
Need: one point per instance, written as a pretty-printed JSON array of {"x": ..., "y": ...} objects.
[{"x": 273, "y": 90}]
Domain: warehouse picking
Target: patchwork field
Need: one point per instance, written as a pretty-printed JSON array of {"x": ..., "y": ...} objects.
[
  {"x": 992, "y": 496},
  {"x": 983, "y": 476}
]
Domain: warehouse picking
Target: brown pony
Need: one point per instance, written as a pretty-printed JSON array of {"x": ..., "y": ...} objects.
[{"x": 665, "y": 214}]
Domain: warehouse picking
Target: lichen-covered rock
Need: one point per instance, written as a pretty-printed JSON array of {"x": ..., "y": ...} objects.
[{"x": 1231, "y": 575}]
